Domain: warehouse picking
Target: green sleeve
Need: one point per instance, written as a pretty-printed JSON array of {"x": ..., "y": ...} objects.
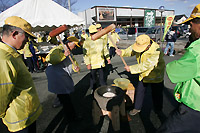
[{"x": 183, "y": 69}]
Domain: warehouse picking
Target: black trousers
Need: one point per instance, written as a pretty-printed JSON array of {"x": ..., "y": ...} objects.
[
  {"x": 112, "y": 52},
  {"x": 68, "y": 107},
  {"x": 157, "y": 95},
  {"x": 182, "y": 120},
  {"x": 93, "y": 77},
  {"x": 29, "y": 63}
]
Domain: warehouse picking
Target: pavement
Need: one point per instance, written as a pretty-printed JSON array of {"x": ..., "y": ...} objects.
[{"x": 51, "y": 119}]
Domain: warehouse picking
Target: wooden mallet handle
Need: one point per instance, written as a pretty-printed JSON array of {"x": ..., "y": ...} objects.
[
  {"x": 110, "y": 37},
  {"x": 56, "y": 33}
]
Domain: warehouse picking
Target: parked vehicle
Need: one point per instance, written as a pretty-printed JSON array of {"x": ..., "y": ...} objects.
[
  {"x": 179, "y": 30},
  {"x": 154, "y": 33},
  {"x": 122, "y": 33},
  {"x": 133, "y": 32},
  {"x": 187, "y": 34}
]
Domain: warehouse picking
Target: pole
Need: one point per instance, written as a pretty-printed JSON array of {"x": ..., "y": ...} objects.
[
  {"x": 69, "y": 5},
  {"x": 161, "y": 30}
]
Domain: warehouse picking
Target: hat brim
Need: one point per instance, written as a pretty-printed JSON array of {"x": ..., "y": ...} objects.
[
  {"x": 187, "y": 20},
  {"x": 139, "y": 48},
  {"x": 31, "y": 34},
  {"x": 77, "y": 44},
  {"x": 72, "y": 39}
]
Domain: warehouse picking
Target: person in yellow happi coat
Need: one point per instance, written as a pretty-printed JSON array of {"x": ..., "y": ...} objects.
[
  {"x": 20, "y": 105},
  {"x": 84, "y": 35},
  {"x": 95, "y": 53}
]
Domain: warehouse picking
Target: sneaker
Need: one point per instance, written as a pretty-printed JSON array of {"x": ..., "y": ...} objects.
[
  {"x": 172, "y": 55},
  {"x": 134, "y": 112}
]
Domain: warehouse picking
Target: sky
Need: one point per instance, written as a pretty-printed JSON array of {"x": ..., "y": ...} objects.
[{"x": 179, "y": 6}]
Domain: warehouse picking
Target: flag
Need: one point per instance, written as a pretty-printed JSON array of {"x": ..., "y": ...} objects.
[{"x": 168, "y": 23}]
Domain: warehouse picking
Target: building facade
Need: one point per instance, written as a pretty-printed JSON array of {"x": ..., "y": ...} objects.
[{"x": 124, "y": 16}]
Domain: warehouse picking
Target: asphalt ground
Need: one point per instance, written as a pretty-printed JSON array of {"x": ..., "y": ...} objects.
[{"x": 51, "y": 119}]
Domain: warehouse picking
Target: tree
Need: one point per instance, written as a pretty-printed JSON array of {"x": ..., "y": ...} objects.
[{"x": 64, "y": 3}]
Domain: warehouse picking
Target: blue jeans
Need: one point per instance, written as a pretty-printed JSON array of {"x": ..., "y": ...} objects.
[{"x": 167, "y": 47}]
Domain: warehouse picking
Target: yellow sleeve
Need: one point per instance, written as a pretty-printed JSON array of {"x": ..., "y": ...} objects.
[
  {"x": 86, "y": 49},
  {"x": 7, "y": 84},
  {"x": 117, "y": 36},
  {"x": 106, "y": 52},
  {"x": 128, "y": 51},
  {"x": 145, "y": 65},
  {"x": 76, "y": 63}
]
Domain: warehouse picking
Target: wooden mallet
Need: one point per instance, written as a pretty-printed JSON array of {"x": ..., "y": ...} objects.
[
  {"x": 104, "y": 31},
  {"x": 56, "y": 33}
]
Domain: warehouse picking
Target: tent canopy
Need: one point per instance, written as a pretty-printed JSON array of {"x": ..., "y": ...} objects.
[{"x": 42, "y": 13}]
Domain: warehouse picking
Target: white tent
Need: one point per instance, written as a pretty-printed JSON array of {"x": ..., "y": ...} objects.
[{"x": 42, "y": 13}]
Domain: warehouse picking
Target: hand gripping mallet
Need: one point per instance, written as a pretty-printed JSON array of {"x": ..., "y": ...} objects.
[
  {"x": 56, "y": 33},
  {"x": 105, "y": 31}
]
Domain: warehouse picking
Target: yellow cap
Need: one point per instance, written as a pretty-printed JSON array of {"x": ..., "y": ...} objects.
[
  {"x": 83, "y": 31},
  {"x": 73, "y": 39},
  {"x": 20, "y": 23},
  {"x": 141, "y": 43},
  {"x": 56, "y": 55},
  {"x": 98, "y": 26},
  {"x": 195, "y": 14},
  {"x": 93, "y": 29}
]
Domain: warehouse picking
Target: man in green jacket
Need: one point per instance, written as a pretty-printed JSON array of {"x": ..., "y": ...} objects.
[
  {"x": 19, "y": 103},
  {"x": 185, "y": 72}
]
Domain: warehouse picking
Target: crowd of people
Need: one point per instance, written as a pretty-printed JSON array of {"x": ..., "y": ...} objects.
[{"x": 20, "y": 106}]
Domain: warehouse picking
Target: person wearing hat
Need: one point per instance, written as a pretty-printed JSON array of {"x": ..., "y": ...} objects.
[
  {"x": 185, "y": 72},
  {"x": 20, "y": 106},
  {"x": 150, "y": 68},
  {"x": 84, "y": 35},
  {"x": 94, "y": 53},
  {"x": 108, "y": 67},
  {"x": 104, "y": 37},
  {"x": 59, "y": 72}
]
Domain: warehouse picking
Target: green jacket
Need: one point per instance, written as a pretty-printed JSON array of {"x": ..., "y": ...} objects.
[
  {"x": 151, "y": 65},
  {"x": 186, "y": 73},
  {"x": 19, "y": 102}
]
